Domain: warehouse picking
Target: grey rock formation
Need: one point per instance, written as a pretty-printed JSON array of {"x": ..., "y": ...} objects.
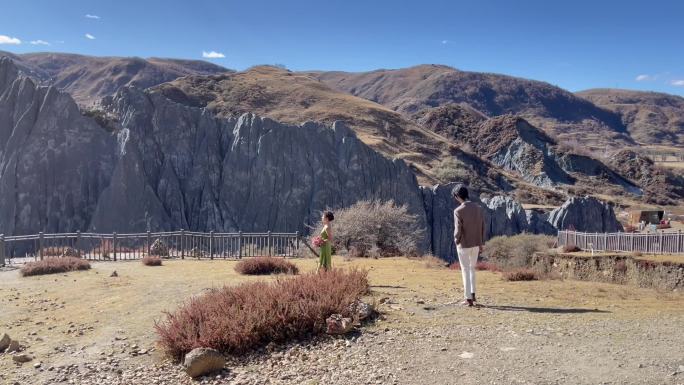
[
  {"x": 585, "y": 214},
  {"x": 181, "y": 167},
  {"x": 54, "y": 162},
  {"x": 505, "y": 216}
]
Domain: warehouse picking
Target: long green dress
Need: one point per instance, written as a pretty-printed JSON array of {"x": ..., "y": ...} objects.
[{"x": 325, "y": 260}]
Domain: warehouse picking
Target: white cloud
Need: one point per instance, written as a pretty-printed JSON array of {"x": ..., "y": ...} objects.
[
  {"x": 643, "y": 77},
  {"x": 678, "y": 83},
  {"x": 39, "y": 42},
  {"x": 9, "y": 40},
  {"x": 445, "y": 41},
  {"x": 212, "y": 55},
  {"x": 89, "y": 36},
  {"x": 59, "y": 41},
  {"x": 89, "y": 16}
]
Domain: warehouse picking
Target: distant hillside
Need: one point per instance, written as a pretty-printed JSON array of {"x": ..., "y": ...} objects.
[
  {"x": 411, "y": 90},
  {"x": 89, "y": 78},
  {"x": 650, "y": 117}
]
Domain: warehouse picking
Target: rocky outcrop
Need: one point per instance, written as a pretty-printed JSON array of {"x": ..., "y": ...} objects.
[{"x": 586, "y": 214}]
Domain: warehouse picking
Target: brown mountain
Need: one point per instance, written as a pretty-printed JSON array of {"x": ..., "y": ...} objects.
[
  {"x": 89, "y": 78},
  {"x": 553, "y": 109},
  {"x": 650, "y": 117}
]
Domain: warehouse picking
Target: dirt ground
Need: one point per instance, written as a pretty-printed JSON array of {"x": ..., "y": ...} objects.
[{"x": 90, "y": 328}]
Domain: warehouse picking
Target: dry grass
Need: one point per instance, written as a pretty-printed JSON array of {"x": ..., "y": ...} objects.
[
  {"x": 237, "y": 319},
  {"x": 54, "y": 265},
  {"x": 151, "y": 260},
  {"x": 265, "y": 266},
  {"x": 105, "y": 303}
]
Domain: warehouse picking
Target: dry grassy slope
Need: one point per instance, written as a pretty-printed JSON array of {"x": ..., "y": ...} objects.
[
  {"x": 410, "y": 90},
  {"x": 650, "y": 117},
  {"x": 295, "y": 98},
  {"x": 89, "y": 78}
]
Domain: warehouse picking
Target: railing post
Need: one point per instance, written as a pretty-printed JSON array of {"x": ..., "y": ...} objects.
[
  {"x": 240, "y": 244},
  {"x": 40, "y": 245},
  {"x": 78, "y": 242},
  {"x": 679, "y": 241},
  {"x": 2, "y": 249},
  {"x": 114, "y": 245},
  {"x": 181, "y": 244},
  {"x": 269, "y": 243},
  {"x": 149, "y": 242},
  {"x": 211, "y": 244},
  {"x": 297, "y": 235},
  {"x": 661, "y": 241}
]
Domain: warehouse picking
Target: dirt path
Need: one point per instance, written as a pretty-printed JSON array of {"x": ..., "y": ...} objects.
[{"x": 89, "y": 328}]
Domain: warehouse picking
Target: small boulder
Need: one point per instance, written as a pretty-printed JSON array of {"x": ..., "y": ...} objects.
[
  {"x": 336, "y": 324},
  {"x": 71, "y": 252},
  {"x": 4, "y": 342},
  {"x": 21, "y": 358},
  {"x": 114, "y": 274},
  {"x": 159, "y": 248},
  {"x": 201, "y": 361}
]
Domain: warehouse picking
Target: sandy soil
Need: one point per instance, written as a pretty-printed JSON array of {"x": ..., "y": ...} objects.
[{"x": 88, "y": 327}]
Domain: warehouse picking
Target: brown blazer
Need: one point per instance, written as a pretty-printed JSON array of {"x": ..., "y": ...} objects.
[{"x": 468, "y": 225}]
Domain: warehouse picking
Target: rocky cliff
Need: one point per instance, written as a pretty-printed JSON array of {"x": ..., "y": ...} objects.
[{"x": 190, "y": 169}]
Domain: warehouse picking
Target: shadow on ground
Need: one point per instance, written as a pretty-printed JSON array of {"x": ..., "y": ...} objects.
[{"x": 544, "y": 309}]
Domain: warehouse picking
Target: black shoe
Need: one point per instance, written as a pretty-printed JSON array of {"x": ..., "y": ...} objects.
[{"x": 473, "y": 294}]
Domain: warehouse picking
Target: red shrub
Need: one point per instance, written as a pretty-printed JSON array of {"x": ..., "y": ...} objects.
[
  {"x": 520, "y": 275},
  {"x": 152, "y": 260},
  {"x": 54, "y": 265},
  {"x": 620, "y": 267},
  {"x": 265, "y": 266},
  {"x": 488, "y": 266},
  {"x": 236, "y": 319}
]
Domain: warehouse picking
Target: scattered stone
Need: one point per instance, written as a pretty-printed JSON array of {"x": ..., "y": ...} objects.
[
  {"x": 114, "y": 274},
  {"x": 336, "y": 324},
  {"x": 37, "y": 365},
  {"x": 362, "y": 310},
  {"x": 467, "y": 355},
  {"x": 13, "y": 346},
  {"x": 21, "y": 358},
  {"x": 201, "y": 361},
  {"x": 4, "y": 342}
]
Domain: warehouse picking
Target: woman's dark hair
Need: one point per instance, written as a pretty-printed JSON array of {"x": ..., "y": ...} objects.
[
  {"x": 329, "y": 215},
  {"x": 460, "y": 191}
]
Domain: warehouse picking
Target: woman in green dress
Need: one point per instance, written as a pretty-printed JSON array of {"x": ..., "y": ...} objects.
[{"x": 325, "y": 261}]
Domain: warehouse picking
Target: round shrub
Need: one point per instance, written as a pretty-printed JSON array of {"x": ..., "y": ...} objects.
[{"x": 266, "y": 266}]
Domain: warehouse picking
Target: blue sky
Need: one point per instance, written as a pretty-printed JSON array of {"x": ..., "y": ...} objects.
[{"x": 573, "y": 44}]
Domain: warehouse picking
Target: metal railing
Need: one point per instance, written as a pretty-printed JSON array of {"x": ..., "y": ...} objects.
[
  {"x": 648, "y": 243},
  {"x": 176, "y": 244}
]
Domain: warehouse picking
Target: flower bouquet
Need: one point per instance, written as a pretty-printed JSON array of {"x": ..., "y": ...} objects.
[{"x": 318, "y": 241}]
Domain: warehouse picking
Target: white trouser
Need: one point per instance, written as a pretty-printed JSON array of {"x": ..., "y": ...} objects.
[{"x": 467, "y": 258}]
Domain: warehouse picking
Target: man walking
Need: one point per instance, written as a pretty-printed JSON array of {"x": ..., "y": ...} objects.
[{"x": 469, "y": 239}]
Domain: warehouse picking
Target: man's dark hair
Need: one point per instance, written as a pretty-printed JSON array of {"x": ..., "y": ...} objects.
[
  {"x": 329, "y": 215},
  {"x": 460, "y": 191}
]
